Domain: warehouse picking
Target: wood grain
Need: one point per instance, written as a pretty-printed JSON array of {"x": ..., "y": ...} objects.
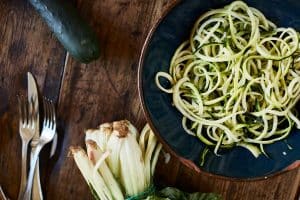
[
  {"x": 87, "y": 95},
  {"x": 281, "y": 187},
  {"x": 105, "y": 90},
  {"x": 25, "y": 45}
]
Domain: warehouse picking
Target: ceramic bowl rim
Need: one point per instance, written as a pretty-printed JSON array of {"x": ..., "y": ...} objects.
[{"x": 188, "y": 163}]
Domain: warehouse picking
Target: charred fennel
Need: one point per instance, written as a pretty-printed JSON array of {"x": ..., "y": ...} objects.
[{"x": 118, "y": 159}]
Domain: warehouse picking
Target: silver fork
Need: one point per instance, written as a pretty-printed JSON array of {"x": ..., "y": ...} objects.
[
  {"x": 2, "y": 195},
  {"x": 27, "y": 125},
  {"x": 48, "y": 132}
]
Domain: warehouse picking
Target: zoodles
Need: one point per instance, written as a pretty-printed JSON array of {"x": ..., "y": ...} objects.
[{"x": 236, "y": 80}]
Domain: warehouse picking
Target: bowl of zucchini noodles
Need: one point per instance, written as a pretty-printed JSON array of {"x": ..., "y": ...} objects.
[{"x": 219, "y": 83}]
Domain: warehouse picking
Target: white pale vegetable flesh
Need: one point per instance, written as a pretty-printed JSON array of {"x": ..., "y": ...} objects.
[{"x": 119, "y": 159}]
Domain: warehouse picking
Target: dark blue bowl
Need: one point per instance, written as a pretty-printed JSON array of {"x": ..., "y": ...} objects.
[{"x": 165, "y": 120}]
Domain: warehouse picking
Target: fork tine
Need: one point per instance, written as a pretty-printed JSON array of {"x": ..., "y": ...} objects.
[
  {"x": 45, "y": 113},
  {"x": 27, "y": 113},
  {"x": 20, "y": 112},
  {"x": 48, "y": 116},
  {"x": 31, "y": 113},
  {"x": 35, "y": 113},
  {"x": 53, "y": 115}
]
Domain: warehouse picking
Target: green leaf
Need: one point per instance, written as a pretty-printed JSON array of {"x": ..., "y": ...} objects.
[{"x": 170, "y": 193}]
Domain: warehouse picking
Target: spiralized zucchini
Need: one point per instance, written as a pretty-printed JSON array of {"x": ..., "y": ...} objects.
[{"x": 237, "y": 80}]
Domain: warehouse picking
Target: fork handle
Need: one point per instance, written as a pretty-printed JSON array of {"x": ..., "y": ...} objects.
[
  {"x": 2, "y": 195},
  {"x": 33, "y": 161},
  {"x": 23, "y": 169},
  {"x": 37, "y": 193}
]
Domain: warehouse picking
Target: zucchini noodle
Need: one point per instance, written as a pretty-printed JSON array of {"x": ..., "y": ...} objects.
[{"x": 236, "y": 80}]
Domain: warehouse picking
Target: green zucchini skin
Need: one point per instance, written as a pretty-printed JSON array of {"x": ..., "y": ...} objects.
[{"x": 69, "y": 28}]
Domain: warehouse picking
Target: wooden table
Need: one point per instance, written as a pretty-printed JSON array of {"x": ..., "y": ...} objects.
[{"x": 88, "y": 95}]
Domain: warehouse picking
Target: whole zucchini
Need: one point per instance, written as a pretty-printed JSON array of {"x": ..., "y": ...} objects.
[{"x": 69, "y": 28}]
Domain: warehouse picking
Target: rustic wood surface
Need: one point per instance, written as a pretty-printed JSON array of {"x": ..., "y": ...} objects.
[{"x": 88, "y": 95}]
